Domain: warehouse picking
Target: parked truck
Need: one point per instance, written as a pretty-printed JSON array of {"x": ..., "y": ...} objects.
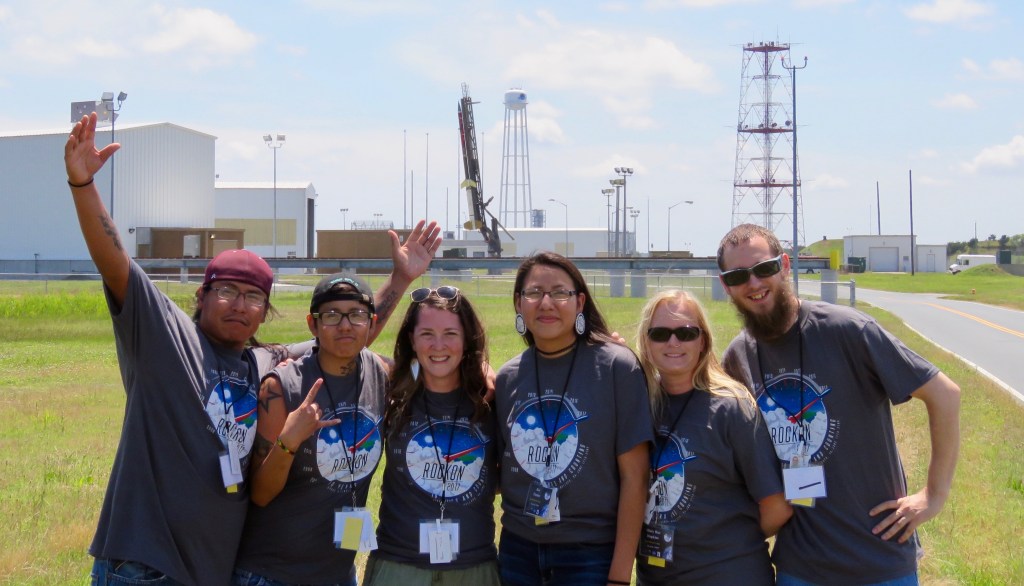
[{"x": 966, "y": 261}]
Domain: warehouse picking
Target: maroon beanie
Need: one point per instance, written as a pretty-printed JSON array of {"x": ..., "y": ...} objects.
[{"x": 242, "y": 266}]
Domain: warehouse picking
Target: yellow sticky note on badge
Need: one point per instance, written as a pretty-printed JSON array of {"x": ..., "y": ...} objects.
[
  {"x": 807, "y": 502},
  {"x": 537, "y": 521},
  {"x": 351, "y": 534},
  {"x": 655, "y": 561}
]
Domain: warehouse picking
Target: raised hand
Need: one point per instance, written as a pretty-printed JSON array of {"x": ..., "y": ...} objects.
[
  {"x": 412, "y": 258},
  {"x": 305, "y": 420},
  {"x": 81, "y": 158}
]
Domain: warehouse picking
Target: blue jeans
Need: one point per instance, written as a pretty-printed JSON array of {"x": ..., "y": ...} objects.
[
  {"x": 115, "y": 572},
  {"x": 790, "y": 580},
  {"x": 247, "y": 578},
  {"x": 524, "y": 563}
]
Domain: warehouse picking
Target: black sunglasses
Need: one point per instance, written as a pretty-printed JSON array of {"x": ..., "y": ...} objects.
[
  {"x": 682, "y": 333},
  {"x": 761, "y": 270},
  {"x": 445, "y": 292}
]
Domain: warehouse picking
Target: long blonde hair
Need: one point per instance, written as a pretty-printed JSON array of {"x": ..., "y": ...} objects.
[{"x": 708, "y": 374}]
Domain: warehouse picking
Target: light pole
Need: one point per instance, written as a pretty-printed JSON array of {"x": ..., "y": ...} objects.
[
  {"x": 108, "y": 103},
  {"x": 668, "y": 237},
  {"x": 274, "y": 144},
  {"x": 566, "y": 224},
  {"x": 624, "y": 172},
  {"x": 796, "y": 255},
  {"x": 608, "y": 193},
  {"x": 634, "y": 213},
  {"x": 617, "y": 183},
  {"x": 343, "y": 212},
  {"x": 378, "y": 220}
]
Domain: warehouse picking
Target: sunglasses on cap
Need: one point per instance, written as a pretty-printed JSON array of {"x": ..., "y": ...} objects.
[
  {"x": 761, "y": 270},
  {"x": 682, "y": 333},
  {"x": 445, "y": 292}
]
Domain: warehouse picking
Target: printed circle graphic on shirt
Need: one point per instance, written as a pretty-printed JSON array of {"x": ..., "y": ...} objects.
[
  {"x": 349, "y": 451},
  {"x": 535, "y": 425},
  {"x": 794, "y": 410},
  {"x": 232, "y": 410},
  {"x": 670, "y": 488},
  {"x": 439, "y": 467}
]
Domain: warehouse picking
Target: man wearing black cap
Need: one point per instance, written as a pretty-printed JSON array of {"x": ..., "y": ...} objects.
[{"x": 177, "y": 497}]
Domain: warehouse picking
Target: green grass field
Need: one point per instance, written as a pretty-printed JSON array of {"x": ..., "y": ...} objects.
[{"x": 61, "y": 404}]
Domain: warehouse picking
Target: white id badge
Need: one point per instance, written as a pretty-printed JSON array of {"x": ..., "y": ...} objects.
[
  {"x": 440, "y": 539},
  {"x": 232, "y": 475},
  {"x": 538, "y": 500},
  {"x": 554, "y": 513},
  {"x": 807, "y": 482},
  {"x": 353, "y": 530}
]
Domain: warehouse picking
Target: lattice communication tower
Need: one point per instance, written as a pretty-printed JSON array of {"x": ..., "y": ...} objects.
[{"x": 764, "y": 144}]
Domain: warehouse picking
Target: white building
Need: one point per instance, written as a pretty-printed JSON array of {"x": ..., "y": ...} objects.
[
  {"x": 525, "y": 241},
  {"x": 890, "y": 253},
  {"x": 252, "y": 206}
]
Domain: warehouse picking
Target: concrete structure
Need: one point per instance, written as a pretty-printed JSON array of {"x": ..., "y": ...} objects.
[
  {"x": 890, "y": 253},
  {"x": 250, "y": 206}
]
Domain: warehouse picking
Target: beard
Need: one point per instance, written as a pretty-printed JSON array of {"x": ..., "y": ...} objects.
[{"x": 775, "y": 323}]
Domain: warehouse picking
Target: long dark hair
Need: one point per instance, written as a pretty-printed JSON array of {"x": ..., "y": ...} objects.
[
  {"x": 403, "y": 388},
  {"x": 596, "y": 330}
]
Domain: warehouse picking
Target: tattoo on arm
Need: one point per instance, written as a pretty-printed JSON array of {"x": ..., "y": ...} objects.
[
  {"x": 264, "y": 401},
  {"x": 386, "y": 306},
  {"x": 260, "y": 450},
  {"x": 108, "y": 228}
]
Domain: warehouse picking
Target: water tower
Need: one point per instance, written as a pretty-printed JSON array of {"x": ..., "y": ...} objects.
[{"x": 516, "y": 202}]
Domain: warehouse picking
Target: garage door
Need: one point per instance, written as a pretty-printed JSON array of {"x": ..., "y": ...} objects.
[{"x": 884, "y": 259}]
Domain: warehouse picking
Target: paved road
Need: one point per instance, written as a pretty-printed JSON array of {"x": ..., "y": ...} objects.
[{"x": 991, "y": 338}]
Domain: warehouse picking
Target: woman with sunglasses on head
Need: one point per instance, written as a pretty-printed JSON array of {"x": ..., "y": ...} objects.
[
  {"x": 716, "y": 492},
  {"x": 437, "y": 500},
  {"x": 576, "y": 429}
]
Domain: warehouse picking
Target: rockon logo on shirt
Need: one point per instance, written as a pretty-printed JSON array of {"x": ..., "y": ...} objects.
[
  {"x": 797, "y": 418},
  {"x": 672, "y": 494},
  {"x": 447, "y": 458},
  {"x": 349, "y": 452},
  {"x": 231, "y": 407},
  {"x": 545, "y": 432}
]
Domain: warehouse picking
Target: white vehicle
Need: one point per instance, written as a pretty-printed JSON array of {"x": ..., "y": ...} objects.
[{"x": 966, "y": 261}]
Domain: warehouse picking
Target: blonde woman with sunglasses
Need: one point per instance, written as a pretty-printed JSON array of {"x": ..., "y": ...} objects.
[
  {"x": 440, "y": 476},
  {"x": 716, "y": 491}
]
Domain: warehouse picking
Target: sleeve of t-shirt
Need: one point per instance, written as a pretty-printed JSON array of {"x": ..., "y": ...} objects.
[
  {"x": 754, "y": 452},
  {"x": 633, "y": 422},
  {"x": 899, "y": 369},
  {"x": 736, "y": 365}
]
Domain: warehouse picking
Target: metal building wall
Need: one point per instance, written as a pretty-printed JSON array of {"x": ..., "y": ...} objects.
[
  {"x": 164, "y": 177},
  {"x": 250, "y": 205}
]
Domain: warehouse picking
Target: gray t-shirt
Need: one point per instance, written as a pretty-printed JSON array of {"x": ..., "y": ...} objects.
[
  {"x": 420, "y": 457},
  {"x": 838, "y": 408},
  {"x": 712, "y": 462},
  {"x": 292, "y": 538},
  {"x": 604, "y": 414},
  {"x": 166, "y": 505}
]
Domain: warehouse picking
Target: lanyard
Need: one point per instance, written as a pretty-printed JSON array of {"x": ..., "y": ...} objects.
[
  {"x": 227, "y": 398},
  {"x": 550, "y": 437},
  {"x": 794, "y": 416},
  {"x": 446, "y": 461},
  {"x": 665, "y": 438},
  {"x": 350, "y": 449}
]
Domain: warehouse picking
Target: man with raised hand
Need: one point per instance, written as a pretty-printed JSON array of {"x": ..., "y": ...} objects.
[
  {"x": 177, "y": 497},
  {"x": 824, "y": 377}
]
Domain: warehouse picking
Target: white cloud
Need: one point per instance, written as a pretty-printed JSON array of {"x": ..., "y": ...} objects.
[
  {"x": 1007, "y": 155},
  {"x": 825, "y": 181},
  {"x": 930, "y": 181},
  {"x": 946, "y": 11},
  {"x": 820, "y": 3},
  {"x": 659, "y": 4},
  {"x": 1011, "y": 69},
  {"x": 204, "y": 35},
  {"x": 955, "y": 102}
]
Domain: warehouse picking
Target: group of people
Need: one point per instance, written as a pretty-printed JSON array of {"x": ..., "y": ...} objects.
[{"x": 663, "y": 458}]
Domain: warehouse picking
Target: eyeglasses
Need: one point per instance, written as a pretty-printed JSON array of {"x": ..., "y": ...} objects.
[
  {"x": 252, "y": 298},
  {"x": 682, "y": 333},
  {"x": 445, "y": 292},
  {"x": 356, "y": 317},
  {"x": 761, "y": 270},
  {"x": 538, "y": 294}
]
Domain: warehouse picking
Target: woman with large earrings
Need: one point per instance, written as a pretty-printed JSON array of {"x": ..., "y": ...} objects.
[
  {"x": 576, "y": 428},
  {"x": 437, "y": 501},
  {"x": 716, "y": 490}
]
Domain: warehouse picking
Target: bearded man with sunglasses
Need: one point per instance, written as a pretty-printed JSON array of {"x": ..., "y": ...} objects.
[{"x": 824, "y": 377}]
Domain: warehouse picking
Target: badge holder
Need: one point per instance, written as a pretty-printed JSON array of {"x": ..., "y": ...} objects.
[
  {"x": 542, "y": 503},
  {"x": 803, "y": 482},
  {"x": 656, "y": 544},
  {"x": 231, "y": 468},
  {"x": 440, "y": 539},
  {"x": 353, "y": 529}
]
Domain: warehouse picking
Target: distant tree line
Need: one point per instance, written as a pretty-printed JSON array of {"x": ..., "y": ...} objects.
[{"x": 989, "y": 245}]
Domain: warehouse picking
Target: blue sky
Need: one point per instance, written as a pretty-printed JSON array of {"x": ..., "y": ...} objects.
[{"x": 932, "y": 86}]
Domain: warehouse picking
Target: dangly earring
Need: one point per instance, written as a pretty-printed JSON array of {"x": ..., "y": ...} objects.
[
  {"x": 581, "y": 324},
  {"x": 520, "y": 324},
  {"x": 414, "y": 366}
]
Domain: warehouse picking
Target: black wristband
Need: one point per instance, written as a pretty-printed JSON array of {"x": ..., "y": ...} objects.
[
  {"x": 610, "y": 581},
  {"x": 86, "y": 184}
]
